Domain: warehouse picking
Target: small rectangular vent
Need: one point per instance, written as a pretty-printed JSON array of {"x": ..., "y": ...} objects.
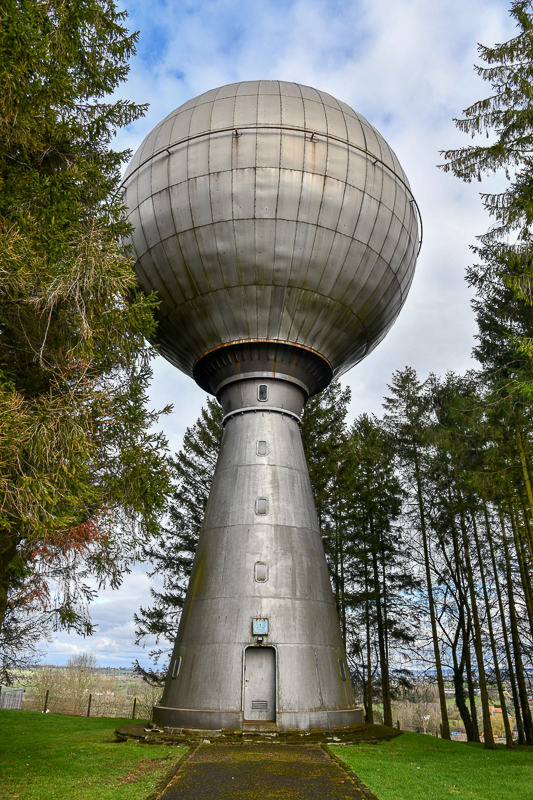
[{"x": 259, "y": 705}]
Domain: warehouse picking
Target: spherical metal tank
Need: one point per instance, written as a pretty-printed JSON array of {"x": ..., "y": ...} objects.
[{"x": 270, "y": 211}]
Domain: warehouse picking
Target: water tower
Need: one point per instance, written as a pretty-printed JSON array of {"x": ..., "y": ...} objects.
[{"x": 280, "y": 233}]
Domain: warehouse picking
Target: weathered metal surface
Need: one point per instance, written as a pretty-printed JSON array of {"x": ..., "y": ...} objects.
[
  {"x": 225, "y": 600},
  {"x": 280, "y": 233},
  {"x": 267, "y": 209}
]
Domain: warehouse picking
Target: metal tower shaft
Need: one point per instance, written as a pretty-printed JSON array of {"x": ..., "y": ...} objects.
[{"x": 259, "y": 641}]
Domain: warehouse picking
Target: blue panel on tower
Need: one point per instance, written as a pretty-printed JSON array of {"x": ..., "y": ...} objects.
[{"x": 260, "y": 626}]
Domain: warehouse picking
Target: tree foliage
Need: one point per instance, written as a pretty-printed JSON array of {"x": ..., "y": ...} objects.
[{"x": 82, "y": 474}]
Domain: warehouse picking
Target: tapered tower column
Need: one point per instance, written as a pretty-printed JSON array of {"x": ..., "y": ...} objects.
[{"x": 260, "y": 566}]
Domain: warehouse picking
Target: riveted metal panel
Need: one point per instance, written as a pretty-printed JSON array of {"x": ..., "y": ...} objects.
[
  {"x": 243, "y": 196},
  {"x": 220, "y": 187},
  {"x": 266, "y": 192},
  {"x": 200, "y": 201},
  {"x": 247, "y": 87},
  {"x": 201, "y": 119},
  {"x": 311, "y": 197},
  {"x": 208, "y": 248},
  {"x": 371, "y": 141},
  {"x": 148, "y": 222},
  {"x": 393, "y": 243},
  {"x": 308, "y": 93},
  {"x": 303, "y": 247},
  {"x": 358, "y": 166},
  {"x": 225, "y": 234},
  {"x": 245, "y": 110},
  {"x": 315, "y": 117},
  {"x": 292, "y": 111},
  {"x": 163, "y": 278},
  {"x": 181, "y": 126},
  {"x": 268, "y": 88},
  {"x": 177, "y": 164},
  {"x": 315, "y": 155},
  {"x": 355, "y": 131},
  {"x": 165, "y": 132},
  {"x": 381, "y": 228},
  {"x": 220, "y": 152},
  {"x": 159, "y": 173},
  {"x": 335, "y": 122},
  {"x": 191, "y": 255},
  {"x": 245, "y": 243},
  {"x": 374, "y": 180},
  {"x": 265, "y": 242},
  {"x": 292, "y": 150},
  {"x": 139, "y": 243},
  {"x": 244, "y": 149},
  {"x": 284, "y": 248},
  {"x": 223, "y": 112},
  {"x": 331, "y": 205},
  {"x": 392, "y": 193},
  {"x": 338, "y": 273},
  {"x": 269, "y": 108},
  {"x": 198, "y": 157},
  {"x": 148, "y": 145},
  {"x": 268, "y": 148},
  {"x": 290, "y": 188},
  {"x": 337, "y": 160},
  {"x": 181, "y": 210}
]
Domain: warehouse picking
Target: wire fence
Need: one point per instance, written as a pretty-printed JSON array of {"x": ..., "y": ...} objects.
[{"x": 89, "y": 704}]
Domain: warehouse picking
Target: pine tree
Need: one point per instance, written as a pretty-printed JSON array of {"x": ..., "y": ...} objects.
[
  {"x": 83, "y": 476},
  {"x": 407, "y": 420}
]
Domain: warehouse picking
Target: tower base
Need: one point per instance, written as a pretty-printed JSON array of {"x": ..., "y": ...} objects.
[{"x": 234, "y": 720}]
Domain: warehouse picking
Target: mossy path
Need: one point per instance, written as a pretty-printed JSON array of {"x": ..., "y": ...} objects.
[{"x": 261, "y": 771}]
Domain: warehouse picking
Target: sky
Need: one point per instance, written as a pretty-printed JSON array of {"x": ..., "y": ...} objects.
[{"x": 408, "y": 67}]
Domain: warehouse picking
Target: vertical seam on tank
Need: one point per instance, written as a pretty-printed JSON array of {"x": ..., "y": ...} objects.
[
  {"x": 161, "y": 240},
  {"x": 276, "y": 217},
  {"x": 296, "y": 222},
  {"x": 194, "y": 227},
  {"x": 232, "y": 221},
  {"x": 297, "y": 334},
  {"x": 219, "y": 262},
  {"x": 178, "y": 235},
  {"x": 335, "y": 230},
  {"x": 254, "y": 283},
  {"x": 234, "y": 167},
  {"x": 316, "y": 226}
]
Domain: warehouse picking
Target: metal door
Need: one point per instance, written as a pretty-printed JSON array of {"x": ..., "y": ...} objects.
[{"x": 260, "y": 684}]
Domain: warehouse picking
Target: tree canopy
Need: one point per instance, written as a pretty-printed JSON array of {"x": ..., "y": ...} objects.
[{"x": 83, "y": 475}]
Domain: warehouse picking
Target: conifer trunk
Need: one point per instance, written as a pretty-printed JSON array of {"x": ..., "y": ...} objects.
[
  {"x": 516, "y": 699},
  {"x": 478, "y": 643},
  {"x": 503, "y": 704},
  {"x": 433, "y": 618},
  {"x": 471, "y": 689},
  {"x": 369, "y": 711},
  {"x": 522, "y": 565},
  {"x": 385, "y": 685},
  {"x": 519, "y": 670}
]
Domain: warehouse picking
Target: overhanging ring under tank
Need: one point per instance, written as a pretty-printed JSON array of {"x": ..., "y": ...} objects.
[{"x": 262, "y": 358}]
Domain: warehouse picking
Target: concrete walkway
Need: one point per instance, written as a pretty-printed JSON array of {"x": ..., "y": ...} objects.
[{"x": 261, "y": 772}]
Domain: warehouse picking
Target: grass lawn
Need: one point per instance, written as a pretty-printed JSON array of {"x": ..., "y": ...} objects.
[
  {"x": 418, "y": 767},
  {"x": 55, "y": 757}
]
